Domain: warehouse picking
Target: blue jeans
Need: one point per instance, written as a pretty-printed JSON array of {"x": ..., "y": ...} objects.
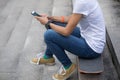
[{"x": 57, "y": 44}]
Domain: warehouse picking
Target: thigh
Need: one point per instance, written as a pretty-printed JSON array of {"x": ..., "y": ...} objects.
[{"x": 73, "y": 44}]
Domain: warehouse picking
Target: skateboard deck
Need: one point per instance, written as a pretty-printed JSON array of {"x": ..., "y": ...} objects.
[{"x": 91, "y": 66}]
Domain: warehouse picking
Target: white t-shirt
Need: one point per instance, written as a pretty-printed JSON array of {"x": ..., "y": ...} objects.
[{"x": 92, "y": 24}]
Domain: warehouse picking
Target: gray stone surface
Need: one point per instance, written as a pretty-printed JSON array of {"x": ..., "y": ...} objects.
[
  {"x": 9, "y": 18},
  {"x": 21, "y": 38},
  {"x": 3, "y": 4},
  {"x": 111, "y": 10},
  {"x": 61, "y": 8}
]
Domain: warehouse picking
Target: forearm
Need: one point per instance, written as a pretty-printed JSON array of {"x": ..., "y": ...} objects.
[
  {"x": 59, "y": 29},
  {"x": 66, "y": 31},
  {"x": 59, "y": 18}
]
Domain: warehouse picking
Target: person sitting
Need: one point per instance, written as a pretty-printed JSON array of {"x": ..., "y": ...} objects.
[{"x": 86, "y": 40}]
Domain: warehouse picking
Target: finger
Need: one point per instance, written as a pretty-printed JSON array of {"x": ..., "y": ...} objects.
[
  {"x": 36, "y": 17},
  {"x": 49, "y": 17},
  {"x": 44, "y": 15}
]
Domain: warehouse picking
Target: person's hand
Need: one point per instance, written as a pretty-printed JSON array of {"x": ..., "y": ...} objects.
[
  {"x": 50, "y": 17},
  {"x": 43, "y": 20}
]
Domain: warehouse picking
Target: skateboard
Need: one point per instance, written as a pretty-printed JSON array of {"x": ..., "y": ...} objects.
[{"x": 91, "y": 66}]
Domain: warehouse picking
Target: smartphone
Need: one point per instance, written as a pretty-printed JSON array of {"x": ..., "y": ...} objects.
[{"x": 35, "y": 14}]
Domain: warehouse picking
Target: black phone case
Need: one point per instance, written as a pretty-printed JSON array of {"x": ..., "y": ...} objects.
[{"x": 35, "y": 14}]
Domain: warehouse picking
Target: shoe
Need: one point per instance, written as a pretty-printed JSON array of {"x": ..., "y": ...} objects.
[
  {"x": 40, "y": 60},
  {"x": 64, "y": 74}
]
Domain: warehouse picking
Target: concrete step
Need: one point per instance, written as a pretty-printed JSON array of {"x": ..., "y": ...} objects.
[
  {"x": 62, "y": 7},
  {"x": 21, "y": 38},
  {"x": 9, "y": 18},
  {"x": 34, "y": 44},
  {"x": 111, "y": 10},
  {"x": 9, "y": 55},
  {"x": 3, "y": 3},
  {"x": 8, "y": 22}
]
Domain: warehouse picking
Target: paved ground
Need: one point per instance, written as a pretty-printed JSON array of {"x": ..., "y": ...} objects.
[{"x": 21, "y": 38}]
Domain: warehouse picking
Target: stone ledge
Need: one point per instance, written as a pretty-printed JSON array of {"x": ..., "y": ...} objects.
[
  {"x": 111, "y": 13},
  {"x": 115, "y": 58}
]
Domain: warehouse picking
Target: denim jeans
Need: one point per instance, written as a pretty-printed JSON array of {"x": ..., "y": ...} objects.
[{"x": 57, "y": 44}]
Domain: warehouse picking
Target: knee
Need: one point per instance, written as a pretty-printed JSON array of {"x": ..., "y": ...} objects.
[{"x": 49, "y": 35}]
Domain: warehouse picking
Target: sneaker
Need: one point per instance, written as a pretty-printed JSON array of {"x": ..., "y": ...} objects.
[
  {"x": 64, "y": 74},
  {"x": 40, "y": 60}
]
